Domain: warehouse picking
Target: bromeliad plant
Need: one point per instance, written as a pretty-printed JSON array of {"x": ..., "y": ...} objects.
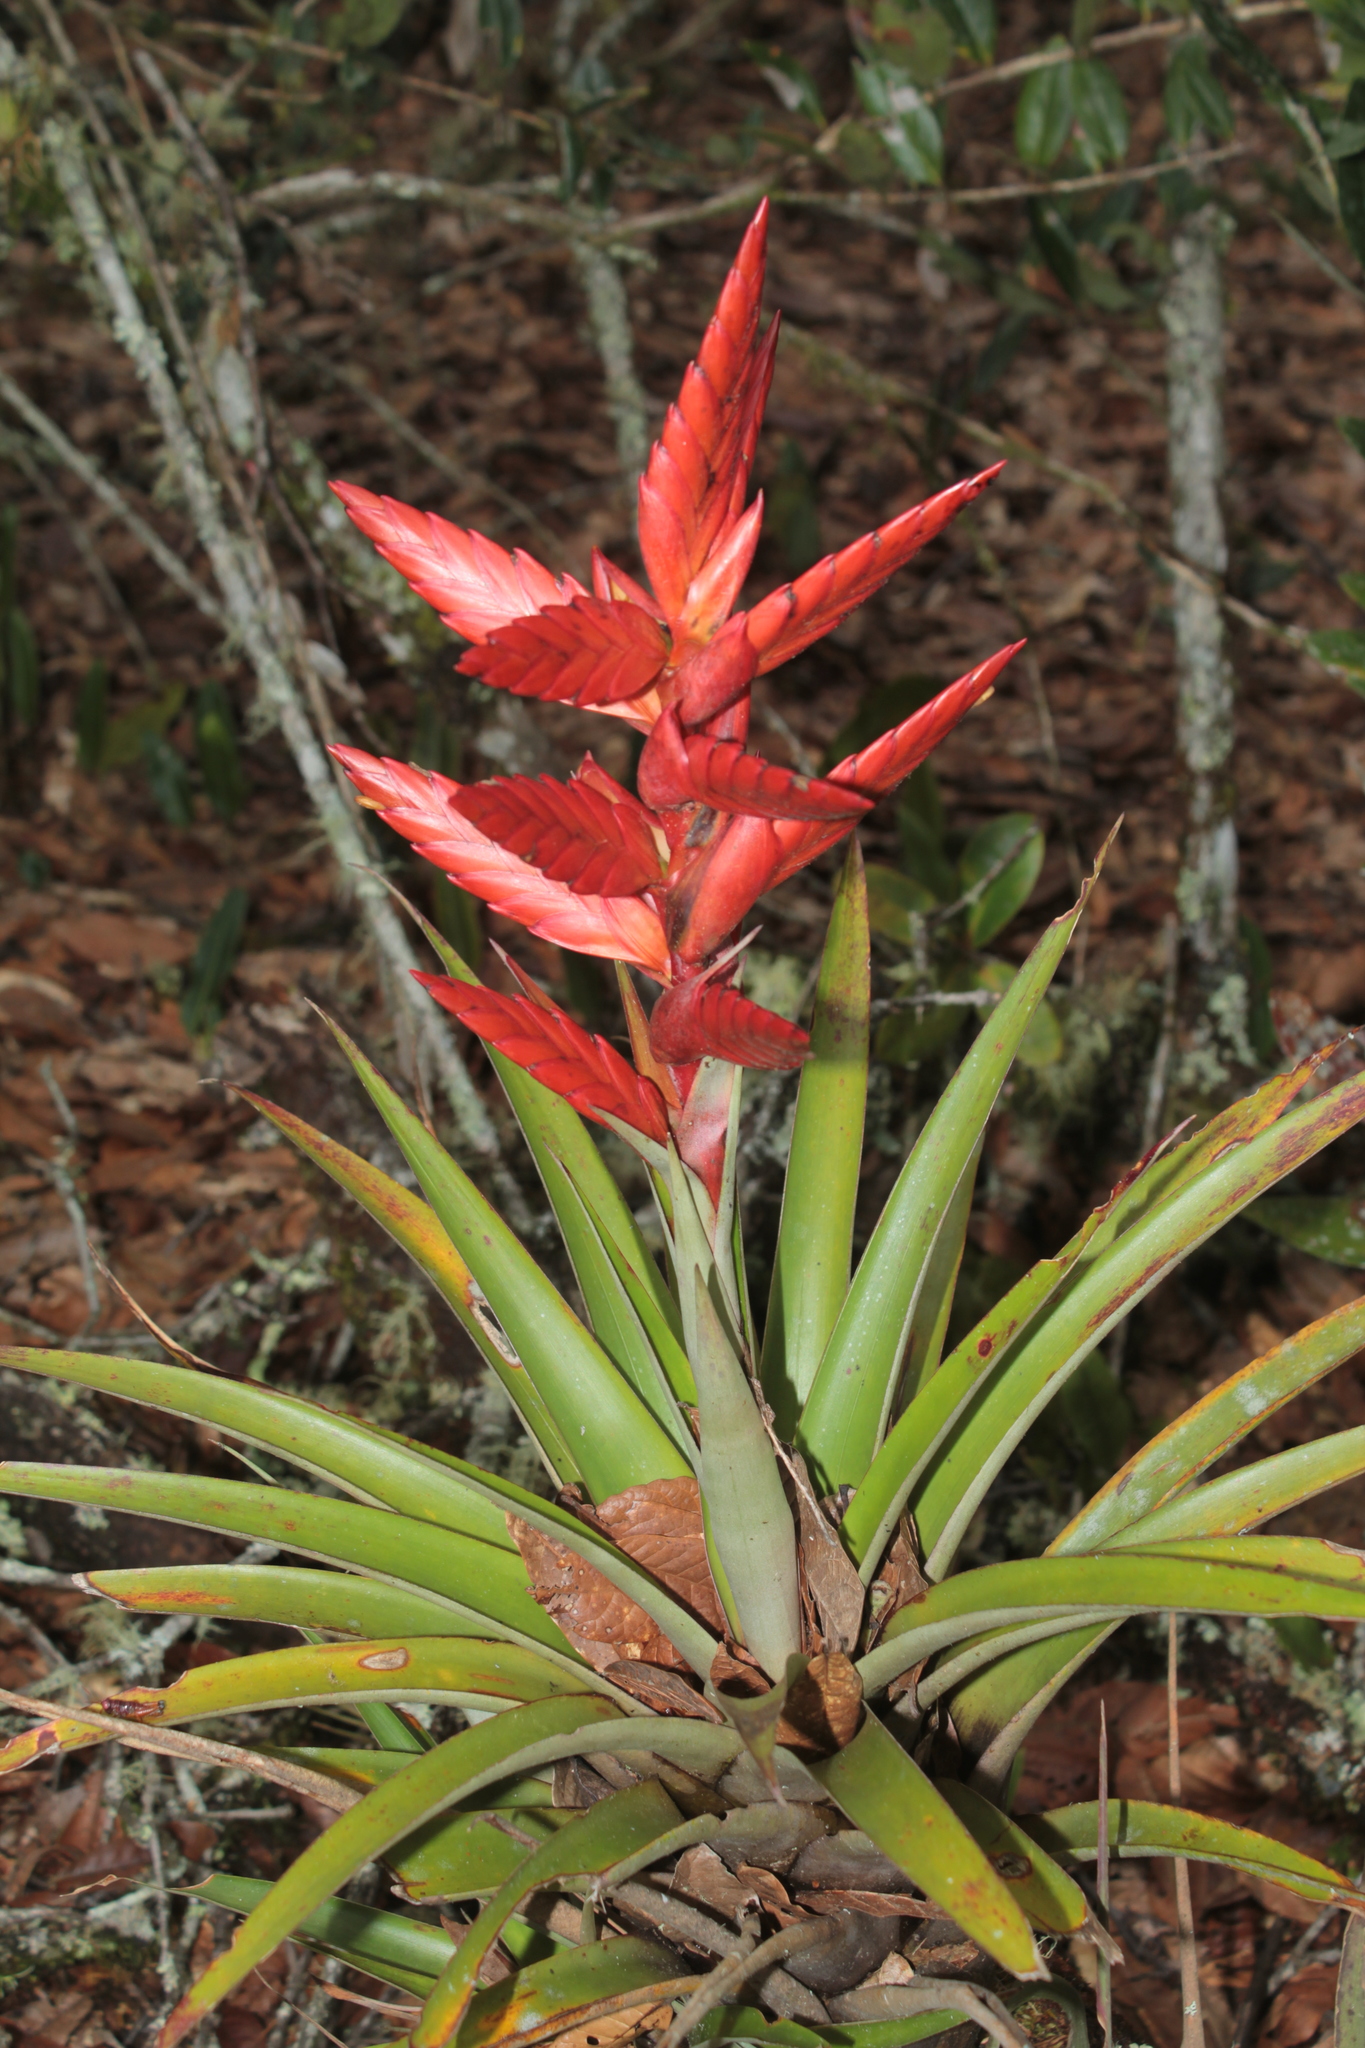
[{"x": 734, "y": 1715}]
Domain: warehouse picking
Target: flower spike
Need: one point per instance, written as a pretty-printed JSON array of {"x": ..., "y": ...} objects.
[{"x": 662, "y": 881}]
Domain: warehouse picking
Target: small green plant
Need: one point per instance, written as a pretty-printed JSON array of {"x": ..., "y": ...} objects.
[{"x": 731, "y": 1646}]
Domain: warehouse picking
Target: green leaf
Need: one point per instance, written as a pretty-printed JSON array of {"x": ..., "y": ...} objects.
[
  {"x": 474, "y": 1578},
  {"x": 456, "y": 1769},
  {"x": 1138, "y": 1827},
  {"x": 1349, "y": 2031},
  {"x": 850, "y": 1401},
  {"x": 124, "y": 736},
  {"x": 1051, "y": 1899},
  {"x": 1006, "y": 895},
  {"x": 9, "y": 549},
  {"x": 885, "y": 1793},
  {"x": 1267, "y": 1575},
  {"x": 924, "y": 1350},
  {"x": 213, "y": 962},
  {"x": 791, "y": 82},
  {"x": 461, "y": 1856},
  {"x": 973, "y": 25},
  {"x": 365, "y": 1768},
  {"x": 895, "y": 902},
  {"x": 459, "y": 1672},
  {"x": 215, "y": 738},
  {"x": 1341, "y": 648},
  {"x": 363, "y": 24},
  {"x": 1240, "y": 1500},
  {"x": 749, "y": 1526},
  {"x": 92, "y": 717},
  {"x": 1056, "y": 245},
  {"x": 364, "y": 1461},
  {"x": 1106, "y": 1290},
  {"x": 1192, "y": 97},
  {"x": 815, "y": 1237},
  {"x": 613, "y": 1439},
  {"x": 1101, "y": 115},
  {"x": 914, "y": 40},
  {"x": 611, "y": 1832},
  {"x": 1331, "y": 1227},
  {"x": 906, "y": 123},
  {"x": 412, "y": 1224},
  {"x": 397, "y": 1950},
  {"x": 1046, "y": 111},
  {"x": 168, "y": 778},
  {"x": 339, "y": 1601},
  {"x": 1354, "y": 585},
  {"x": 554, "y": 1130},
  {"x": 502, "y": 20},
  {"x": 1354, "y": 430},
  {"x": 1213, "y": 1427},
  {"x": 1247, "y": 55},
  {"x": 1307, "y": 1641},
  {"x": 1042, "y": 1045},
  {"x": 23, "y": 674},
  {"x": 545, "y": 1999}
]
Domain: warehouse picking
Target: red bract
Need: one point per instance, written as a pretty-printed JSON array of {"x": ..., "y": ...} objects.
[{"x": 660, "y": 882}]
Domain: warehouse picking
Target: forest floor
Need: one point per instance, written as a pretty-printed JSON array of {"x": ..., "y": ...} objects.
[{"x": 120, "y": 1138}]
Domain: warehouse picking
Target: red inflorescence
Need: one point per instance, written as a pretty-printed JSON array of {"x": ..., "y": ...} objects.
[{"x": 662, "y": 881}]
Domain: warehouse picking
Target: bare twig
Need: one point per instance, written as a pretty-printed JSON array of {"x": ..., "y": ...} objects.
[
  {"x": 94, "y": 479},
  {"x": 19, "y": 449},
  {"x": 58, "y": 1168},
  {"x": 1192, "y": 2012},
  {"x": 1104, "y": 2000},
  {"x": 1115, "y": 39},
  {"x": 195, "y": 1748}
]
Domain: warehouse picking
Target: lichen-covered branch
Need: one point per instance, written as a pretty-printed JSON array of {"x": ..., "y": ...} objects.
[{"x": 1206, "y": 893}]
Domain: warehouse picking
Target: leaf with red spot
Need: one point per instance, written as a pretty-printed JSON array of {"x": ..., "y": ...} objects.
[
  {"x": 422, "y": 807},
  {"x": 590, "y": 652},
  {"x": 570, "y": 831},
  {"x": 694, "y": 488},
  {"x": 696, "y": 1019},
  {"x": 474, "y": 584},
  {"x": 787, "y": 620},
  {"x": 572, "y": 1062}
]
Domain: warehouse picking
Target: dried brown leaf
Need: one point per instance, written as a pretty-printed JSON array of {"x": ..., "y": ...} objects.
[
  {"x": 823, "y": 1710},
  {"x": 659, "y": 1526},
  {"x": 831, "y": 1576},
  {"x": 603, "y": 1624},
  {"x": 668, "y": 1692}
]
